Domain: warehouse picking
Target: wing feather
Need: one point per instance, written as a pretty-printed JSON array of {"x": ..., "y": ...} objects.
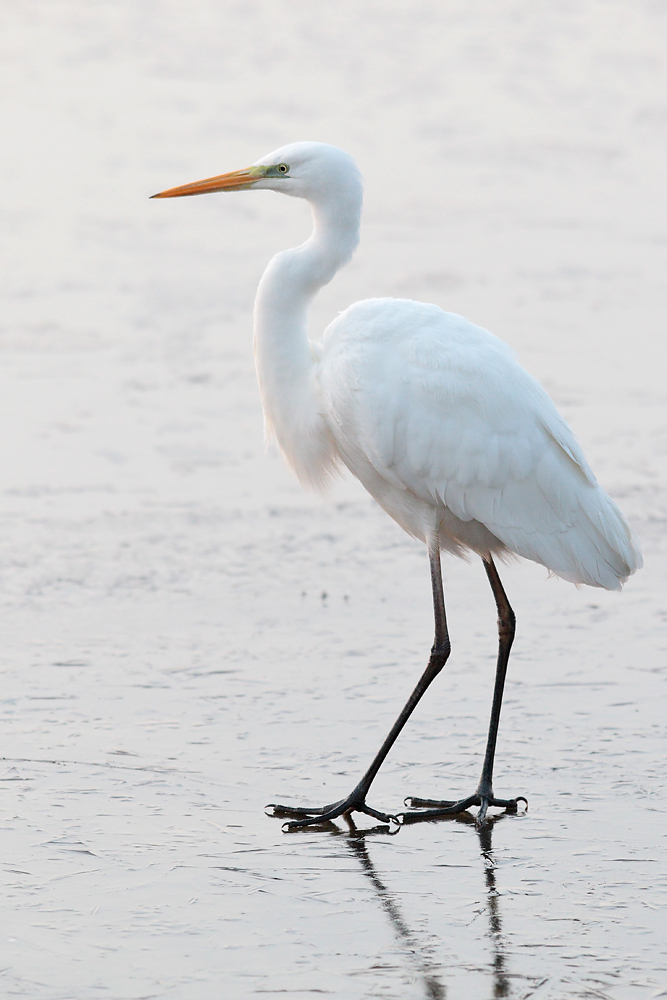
[{"x": 441, "y": 409}]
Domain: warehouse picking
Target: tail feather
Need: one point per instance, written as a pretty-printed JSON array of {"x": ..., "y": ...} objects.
[{"x": 597, "y": 549}]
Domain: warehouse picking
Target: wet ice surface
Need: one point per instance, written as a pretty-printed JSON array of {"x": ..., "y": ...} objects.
[{"x": 189, "y": 636}]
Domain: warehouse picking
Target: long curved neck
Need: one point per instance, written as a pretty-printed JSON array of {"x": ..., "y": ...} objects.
[{"x": 283, "y": 358}]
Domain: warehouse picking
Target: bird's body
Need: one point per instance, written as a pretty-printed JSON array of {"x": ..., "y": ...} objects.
[
  {"x": 453, "y": 437},
  {"x": 434, "y": 416}
]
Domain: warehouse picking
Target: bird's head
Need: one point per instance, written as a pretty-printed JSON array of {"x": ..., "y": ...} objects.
[{"x": 311, "y": 170}]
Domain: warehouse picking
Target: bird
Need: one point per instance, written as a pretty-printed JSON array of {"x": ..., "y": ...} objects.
[{"x": 437, "y": 419}]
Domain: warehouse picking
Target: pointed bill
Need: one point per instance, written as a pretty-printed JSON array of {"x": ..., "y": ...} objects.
[{"x": 237, "y": 180}]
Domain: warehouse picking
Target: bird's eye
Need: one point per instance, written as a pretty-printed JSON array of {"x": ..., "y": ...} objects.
[{"x": 282, "y": 168}]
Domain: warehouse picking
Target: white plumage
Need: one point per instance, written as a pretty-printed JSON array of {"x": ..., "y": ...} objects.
[
  {"x": 451, "y": 435},
  {"x": 434, "y": 415}
]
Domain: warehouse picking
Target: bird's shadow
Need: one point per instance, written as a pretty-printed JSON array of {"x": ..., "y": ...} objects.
[{"x": 417, "y": 948}]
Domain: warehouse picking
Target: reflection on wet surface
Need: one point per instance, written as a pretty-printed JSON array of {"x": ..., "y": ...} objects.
[
  {"x": 500, "y": 983},
  {"x": 423, "y": 962},
  {"x": 419, "y": 946},
  {"x": 421, "y": 955}
]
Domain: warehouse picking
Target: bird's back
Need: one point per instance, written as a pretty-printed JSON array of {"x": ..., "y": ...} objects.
[{"x": 444, "y": 427}]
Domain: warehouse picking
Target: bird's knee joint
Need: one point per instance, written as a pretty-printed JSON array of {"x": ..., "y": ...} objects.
[
  {"x": 507, "y": 626},
  {"x": 439, "y": 655}
]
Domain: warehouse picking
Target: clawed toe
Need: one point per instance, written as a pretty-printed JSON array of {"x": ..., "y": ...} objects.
[
  {"x": 412, "y": 802},
  {"x": 435, "y": 808},
  {"x": 295, "y": 812},
  {"x": 510, "y": 805}
]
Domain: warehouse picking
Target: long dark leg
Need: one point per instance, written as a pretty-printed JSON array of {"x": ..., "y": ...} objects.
[
  {"x": 356, "y": 801},
  {"x": 506, "y": 630},
  {"x": 484, "y": 796}
]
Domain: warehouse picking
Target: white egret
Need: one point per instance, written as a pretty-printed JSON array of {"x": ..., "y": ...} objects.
[{"x": 435, "y": 417}]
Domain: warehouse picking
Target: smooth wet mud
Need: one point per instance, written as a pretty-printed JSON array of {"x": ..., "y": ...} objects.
[{"x": 187, "y": 635}]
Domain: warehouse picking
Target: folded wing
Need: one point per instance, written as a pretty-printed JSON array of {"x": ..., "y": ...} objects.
[{"x": 442, "y": 408}]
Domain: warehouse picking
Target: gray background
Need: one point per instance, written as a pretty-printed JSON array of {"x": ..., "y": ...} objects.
[{"x": 188, "y": 635}]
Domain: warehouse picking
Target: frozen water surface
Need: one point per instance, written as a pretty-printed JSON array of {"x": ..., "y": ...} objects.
[{"x": 187, "y": 635}]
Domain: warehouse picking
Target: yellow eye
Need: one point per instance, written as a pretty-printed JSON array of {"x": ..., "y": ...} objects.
[{"x": 282, "y": 168}]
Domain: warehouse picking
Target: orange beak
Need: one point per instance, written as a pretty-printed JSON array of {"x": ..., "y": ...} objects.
[{"x": 237, "y": 180}]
